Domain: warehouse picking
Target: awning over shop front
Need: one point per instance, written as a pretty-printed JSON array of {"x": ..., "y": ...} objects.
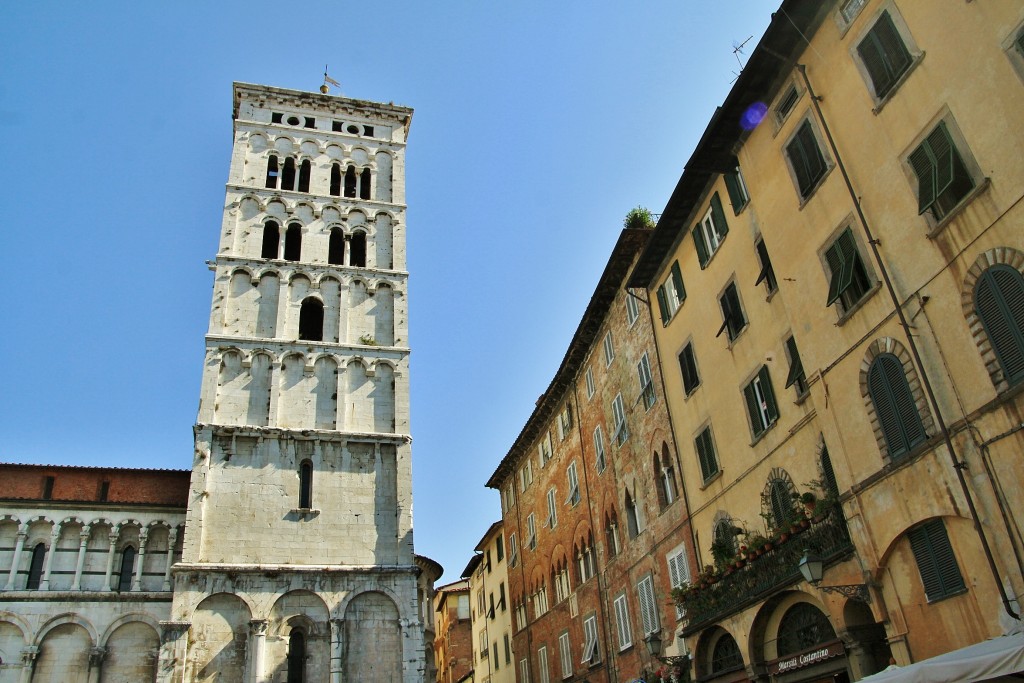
[{"x": 985, "y": 661}]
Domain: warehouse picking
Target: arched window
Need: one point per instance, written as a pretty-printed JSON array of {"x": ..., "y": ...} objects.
[
  {"x": 306, "y": 485},
  {"x": 271, "y": 240},
  {"x": 726, "y": 655},
  {"x": 336, "y": 247},
  {"x": 311, "y": 320},
  {"x": 293, "y": 242},
  {"x": 999, "y": 303},
  {"x": 35, "y": 568},
  {"x": 357, "y": 250},
  {"x": 611, "y": 533},
  {"x": 364, "y": 184},
  {"x": 335, "y": 180},
  {"x": 894, "y": 404},
  {"x": 666, "y": 479},
  {"x": 304, "y": 169},
  {"x": 288, "y": 174},
  {"x": 297, "y": 656},
  {"x": 801, "y": 627},
  {"x": 632, "y": 516},
  {"x": 350, "y": 182},
  {"x": 724, "y": 537},
  {"x": 828, "y": 475},
  {"x": 124, "y": 577},
  {"x": 272, "y": 172}
]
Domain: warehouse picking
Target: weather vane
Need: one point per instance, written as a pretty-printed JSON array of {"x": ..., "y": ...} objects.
[{"x": 331, "y": 81}]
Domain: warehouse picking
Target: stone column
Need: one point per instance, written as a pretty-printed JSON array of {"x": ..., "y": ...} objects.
[
  {"x": 258, "y": 635},
  {"x": 172, "y": 540},
  {"x": 19, "y": 546},
  {"x": 173, "y": 651},
  {"x": 83, "y": 543},
  {"x": 96, "y": 656},
  {"x": 28, "y": 662},
  {"x": 140, "y": 559},
  {"x": 50, "y": 552},
  {"x": 337, "y": 648},
  {"x": 110, "y": 559}
]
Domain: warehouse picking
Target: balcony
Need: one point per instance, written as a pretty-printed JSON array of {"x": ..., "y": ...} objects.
[{"x": 712, "y": 598}]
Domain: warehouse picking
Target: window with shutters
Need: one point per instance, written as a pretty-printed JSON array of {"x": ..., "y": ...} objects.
[
  {"x": 542, "y": 666},
  {"x": 540, "y": 601},
  {"x": 632, "y": 309},
  {"x": 885, "y": 56},
  {"x": 544, "y": 449},
  {"x": 565, "y": 422},
  {"x": 671, "y": 294},
  {"x": 620, "y": 431},
  {"x": 733, "y": 320},
  {"x": 933, "y": 553},
  {"x": 573, "y": 498},
  {"x": 760, "y": 399},
  {"x": 513, "y": 550},
  {"x": 737, "y": 190},
  {"x": 611, "y": 533},
  {"x": 524, "y": 669},
  {"x": 508, "y": 497},
  {"x": 591, "y": 652},
  {"x": 643, "y": 371},
  {"x": 688, "y": 368},
  {"x": 678, "y": 572},
  {"x": 766, "y": 274},
  {"x": 648, "y": 606},
  {"x": 999, "y": 304},
  {"x": 705, "y": 448},
  {"x": 609, "y": 349},
  {"x": 623, "y": 630},
  {"x": 942, "y": 171},
  {"x": 599, "y": 459},
  {"x": 552, "y": 520},
  {"x": 590, "y": 383},
  {"x": 796, "y": 377},
  {"x": 531, "y": 532},
  {"x": 525, "y": 475},
  {"x": 710, "y": 232},
  {"x": 894, "y": 405},
  {"x": 848, "y": 279},
  {"x": 565, "y": 654},
  {"x": 806, "y": 160},
  {"x": 778, "y": 504}
]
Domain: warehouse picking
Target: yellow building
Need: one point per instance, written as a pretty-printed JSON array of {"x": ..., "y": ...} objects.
[
  {"x": 839, "y": 280},
  {"x": 491, "y": 616}
]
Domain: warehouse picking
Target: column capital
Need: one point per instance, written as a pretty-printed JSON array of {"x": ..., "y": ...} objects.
[
  {"x": 96, "y": 655},
  {"x": 28, "y": 654},
  {"x": 84, "y": 533},
  {"x": 258, "y": 627},
  {"x": 171, "y": 631}
]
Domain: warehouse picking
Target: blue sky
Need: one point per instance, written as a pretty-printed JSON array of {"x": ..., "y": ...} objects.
[{"x": 538, "y": 125}]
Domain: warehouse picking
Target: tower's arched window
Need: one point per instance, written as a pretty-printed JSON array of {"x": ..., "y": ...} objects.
[
  {"x": 350, "y": 182},
  {"x": 364, "y": 184},
  {"x": 999, "y": 301},
  {"x": 304, "y": 169},
  {"x": 632, "y": 516},
  {"x": 311, "y": 320},
  {"x": 335, "y": 180},
  {"x": 288, "y": 174},
  {"x": 35, "y": 568},
  {"x": 293, "y": 242},
  {"x": 306, "y": 485},
  {"x": 336, "y": 247},
  {"x": 894, "y": 405},
  {"x": 271, "y": 240},
  {"x": 272, "y": 172},
  {"x": 357, "y": 250},
  {"x": 297, "y": 656},
  {"x": 124, "y": 577}
]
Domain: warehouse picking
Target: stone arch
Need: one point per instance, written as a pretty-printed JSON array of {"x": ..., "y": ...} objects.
[
  {"x": 888, "y": 345},
  {"x": 1004, "y": 256},
  {"x": 284, "y": 144},
  {"x": 241, "y": 296},
  {"x": 299, "y": 610},
  {"x": 268, "y": 291},
  {"x": 276, "y": 207},
  {"x": 18, "y": 627},
  {"x": 373, "y": 639},
  {"x": 325, "y": 391},
  {"x": 777, "y": 502},
  {"x": 64, "y": 645},
  {"x": 717, "y": 653},
  {"x": 295, "y": 403},
  {"x": 260, "y": 377},
  {"x": 383, "y": 398},
  {"x": 132, "y": 646},
  {"x": 384, "y": 315},
  {"x": 217, "y": 637},
  {"x": 384, "y": 162},
  {"x": 67, "y": 618},
  {"x": 358, "y": 397},
  {"x": 359, "y": 322}
]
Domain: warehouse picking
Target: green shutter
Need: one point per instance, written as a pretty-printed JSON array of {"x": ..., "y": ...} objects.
[
  {"x": 750, "y": 398},
  {"x": 999, "y": 303},
  {"x": 936, "y": 561},
  {"x": 688, "y": 366},
  {"x": 796, "y": 368},
  {"x": 840, "y": 258},
  {"x": 923, "y": 165},
  {"x": 736, "y": 195},
  {"x": 884, "y": 55},
  {"x": 706, "y": 455},
  {"x": 1020, "y": 43},
  {"x": 769, "y": 394},
  {"x": 718, "y": 215},
  {"x": 702, "y": 249},
  {"x": 677, "y": 281},
  {"x": 663, "y": 305},
  {"x": 894, "y": 405},
  {"x": 806, "y": 159},
  {"x": 934, "y": 165}
]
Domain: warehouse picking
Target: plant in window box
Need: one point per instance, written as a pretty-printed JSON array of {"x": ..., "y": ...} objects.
[
  {"x": 639, "y": 218},
  {"x": 722, "y": 553},
  {"x": 756, "y": 544}
]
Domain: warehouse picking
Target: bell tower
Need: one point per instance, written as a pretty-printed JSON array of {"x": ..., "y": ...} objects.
[{"x": 298, "y": 558}]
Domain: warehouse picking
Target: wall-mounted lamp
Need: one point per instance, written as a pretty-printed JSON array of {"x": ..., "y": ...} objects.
[{"x": 812, "y": 567}]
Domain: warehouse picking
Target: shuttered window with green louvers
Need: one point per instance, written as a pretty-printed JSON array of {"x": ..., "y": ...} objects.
[
  {"x": 895, "y": 406},
  {"x": 706, "y": 454},
  {"x": 806, "y": 159},
  {"x": 849, "y": 280},
  {"x": 710, "y": 232},
  {"x": 760, "y": 400},
  {"x": 999, "y": 303},
  {"x": 884, "y": 54},
  {"x": 940, "y": 573},
  {"x": 942, "y": 177}
]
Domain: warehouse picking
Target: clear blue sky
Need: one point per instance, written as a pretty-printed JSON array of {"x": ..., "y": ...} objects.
[{"x": 538, "y": 125}]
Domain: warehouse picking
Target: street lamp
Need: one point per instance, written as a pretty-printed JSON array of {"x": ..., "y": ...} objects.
[
  {"x": 681, "y": 663},
  {"x": 813, "y": 568}
]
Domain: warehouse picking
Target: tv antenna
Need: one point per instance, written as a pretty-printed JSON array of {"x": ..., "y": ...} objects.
[{"x": 737, "y": 50}]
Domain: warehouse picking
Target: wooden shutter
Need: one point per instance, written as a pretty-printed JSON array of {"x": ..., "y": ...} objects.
[
  {"x": 769, "y": 394},
  {"x": 884, "y": 55},
  {"x": 706, "y": 455},
  {"x": 663, "y": 305},
  {"x": 841, "y": 258},
  {"x": 999, "y": 302},
  {"x": 894, "y": 405},
  {"x": 796, "y": 368},
  {"x": 648, "y": 610},
  {"x": 677, "y": 281},
  {"x": 702, "y": 248},
  {"x": 688, "y": 366},
  {"x": 718, "y": 215},
  {"x": 750, "y": 398},
  {"x": 935, "y": 560},
  {"x": 737, "y": 197},
  {"x": 806, "y": 159}
]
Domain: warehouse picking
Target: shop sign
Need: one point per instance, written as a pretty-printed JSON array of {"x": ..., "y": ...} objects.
[{"x": 799, "y": 661}]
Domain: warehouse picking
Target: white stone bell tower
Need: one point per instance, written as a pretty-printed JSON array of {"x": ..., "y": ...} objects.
[{"x": 298, "y": 557}]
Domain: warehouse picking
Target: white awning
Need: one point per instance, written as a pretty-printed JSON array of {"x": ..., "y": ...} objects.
[{"x": 985, "y": 661}]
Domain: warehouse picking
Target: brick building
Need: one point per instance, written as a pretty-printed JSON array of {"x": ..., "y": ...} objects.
[{"x": 453, "y": 640}]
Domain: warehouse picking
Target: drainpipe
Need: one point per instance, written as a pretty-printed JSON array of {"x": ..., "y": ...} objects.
[{"x": 958, "y": 465}]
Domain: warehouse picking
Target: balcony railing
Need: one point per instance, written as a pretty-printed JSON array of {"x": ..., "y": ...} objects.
[{"x": 728, "y": 592}]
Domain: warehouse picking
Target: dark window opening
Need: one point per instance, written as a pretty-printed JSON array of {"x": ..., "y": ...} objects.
[
  {"x": 337, "y": 126},
  {"x": 296, "y": 657},
  {"x": 806, "y": 159},
  {"x": 726, "y": 655},
  {"x": 999, "y": 302},
  {"x": 311, "y": 321},
  {"x": 767, "y": 273},
  {"x": 778, "y": 503},
  {"x": 802, "y": 627},
  {"x": 732, "y": 314},
  {"x": 48, "y": 488},
  {"x": 350, "y": 182},
  {"x": 271, "y": 240},
  {"x": 828, "y": 475},
  {"x": 368, "y": 131},
  {"x": 364, "y": 184},
  {"x": 288, "y": 174},
  {"x": 335, "y": 180},
  {"x": 272, "y": 172},
  {"x": 336, "y": 247},
  {"x": 353, "y": 130},
  {"x": 124, "y": 577},
  {"x": 894, "y": 405},
  {"x": 304, "y": 170},
  {"x": 104, "y": 491},
  {"x": 35, "y": 567},
  {"x": 942, "y": 177},
  {"x": 276, "y": 117},
  {"x": 357, "y": 250},
  {"x": 293, "y": 120},
  {"x": 632, "y": 519},
  {"x": 499, "y": 548},
  {"x": 310, "y": 122},
  {"x": 306, "y": 485},
  {"x": 293, "y": 242},
  {"x": 786, "y": 103},
  {"x": 688, "y": 366},
  {"x": 796, "y": 375}
]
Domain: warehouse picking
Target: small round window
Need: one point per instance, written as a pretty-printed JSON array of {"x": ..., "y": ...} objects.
[
  {"x": 293, "y": 120},
  {"x": 354, "y": 130}
]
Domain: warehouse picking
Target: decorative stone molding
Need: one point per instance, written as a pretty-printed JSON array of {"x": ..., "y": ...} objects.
[{"x": 999, "y": 255}]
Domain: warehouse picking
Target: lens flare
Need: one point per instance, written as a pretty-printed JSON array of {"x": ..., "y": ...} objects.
[{"x": 753, "y": 115}]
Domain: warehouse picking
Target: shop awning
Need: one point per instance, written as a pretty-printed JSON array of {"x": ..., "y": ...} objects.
[{"x": 985, "y": 661}]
